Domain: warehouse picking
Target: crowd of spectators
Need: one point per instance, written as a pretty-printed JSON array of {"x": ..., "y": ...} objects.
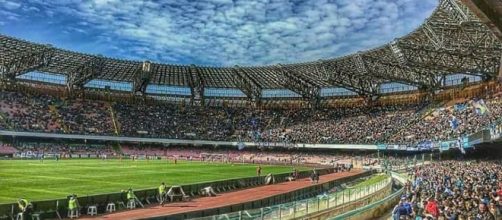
[
  {"x": 86, "y": 117},
  {"x": 169, "y": 121},
  {"x": 40, "y": 150},
  {"x": 23, "y": 112},
  {"x": 207, "y": 154},
  {"x": 403, "y": 124},
  {"x": 243, "y": 156},
  {"x": 365, "y": 125},
  {"x": 344, "y": 125},
  {"x": 451, "y": 122},
  {"x": 7, "y": 149},
  {"x": 453, "y": 190}
]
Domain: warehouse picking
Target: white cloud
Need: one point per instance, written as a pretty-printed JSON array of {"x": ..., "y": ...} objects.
[
  {"x": 10, "y": 5},
  {"x": 244, "y": 32}
]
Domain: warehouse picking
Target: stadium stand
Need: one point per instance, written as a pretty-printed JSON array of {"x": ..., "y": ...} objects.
[
  {"x": 40, "y": 150},
  {"x": 255, "y": 156},
  {"x": 456, "y": 40},
  {"x": 87, "y": 117},
  {"x": 6, "y": 149},
  {"x": 27, "y": 113},
  {"x": 32, "y": 150},
  {"x": 356, "y": 125},
  {"x": 450, "y": 122},
  {"x": 455, "y": 190}
]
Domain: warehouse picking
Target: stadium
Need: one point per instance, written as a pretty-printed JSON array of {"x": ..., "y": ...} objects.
[{"x": 410, "y": 129}]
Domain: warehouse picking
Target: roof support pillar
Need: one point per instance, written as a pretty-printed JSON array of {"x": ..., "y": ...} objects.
[
  {"x": 196, "y": 86},
  {"x": 26, "y": 62},
  {"x": 301, "y": 85},
  {"x": 142, "y": 78},
  {"x": 247, "y": 85},
  {"x": 84, "y": 73}
]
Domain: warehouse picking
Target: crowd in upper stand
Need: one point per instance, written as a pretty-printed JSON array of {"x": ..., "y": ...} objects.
[
  {"x": 87, "y": 117},
  {"x": 408, "y": 124},
  {"x": 453, "y": 190},
  {"x": 448, "y": 123},
  {"x": 44, "y": 113},
  {"x": 294, "y": 126},
  {"x": 27, "y": 112}
]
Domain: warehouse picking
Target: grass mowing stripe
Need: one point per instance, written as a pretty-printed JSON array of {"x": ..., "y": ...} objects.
[{"x": 49, "y": 179}]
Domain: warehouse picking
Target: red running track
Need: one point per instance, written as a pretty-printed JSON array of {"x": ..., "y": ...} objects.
[{"x": 221, "y": 200}]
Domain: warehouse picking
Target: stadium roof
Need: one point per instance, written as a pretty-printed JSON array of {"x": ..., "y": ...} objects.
[{"x": 454, "y": 39}]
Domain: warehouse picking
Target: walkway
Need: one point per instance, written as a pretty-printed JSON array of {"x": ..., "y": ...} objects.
[{"x": 222, "y": 200}]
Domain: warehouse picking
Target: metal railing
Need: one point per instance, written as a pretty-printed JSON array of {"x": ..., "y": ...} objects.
[
  {"x": 392, "y": 198},
  {"x": 298, "y": 209}
]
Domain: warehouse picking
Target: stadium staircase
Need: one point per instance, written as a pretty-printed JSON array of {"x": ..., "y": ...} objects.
[
  {"x": 116, "y": 126},
  {"x": 55, "y": 114},
  {"x": 115, "y": 121},
  {"x": 421, "y": 114}
]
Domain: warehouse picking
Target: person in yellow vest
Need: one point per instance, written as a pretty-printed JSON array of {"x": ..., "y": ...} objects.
[
  {"x": 162, "y": 193},
  {"x": 130, "y": 195},
  {"x": 73, "y": 203},
  {"x": 26, "y": 207}
]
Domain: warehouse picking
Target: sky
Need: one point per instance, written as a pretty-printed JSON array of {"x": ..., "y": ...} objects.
[{"x": 214, "y": 32}]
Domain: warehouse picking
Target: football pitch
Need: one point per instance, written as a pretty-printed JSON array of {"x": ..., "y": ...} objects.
[{"x": 50, "y": 179}]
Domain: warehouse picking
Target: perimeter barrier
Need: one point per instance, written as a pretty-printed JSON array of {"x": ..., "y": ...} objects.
[
  {"x": 51, "y": 208},
  {"x": 314, "y": 207}
]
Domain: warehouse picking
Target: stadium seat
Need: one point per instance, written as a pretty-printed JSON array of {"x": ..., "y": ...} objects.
[
  {"x": 186, "y": 198},
  {"x": 131, "y": 204},
  {"x": 110, "y": 207},
  {"x": 35, "y": 216},
  {"x": 73, "y": 213},
  {"x": 92, "y": 210}
]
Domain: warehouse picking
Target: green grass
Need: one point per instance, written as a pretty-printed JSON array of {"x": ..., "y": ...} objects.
[
  {"x": 37, "y": 180},
  {"x": 370, "y": 181}
]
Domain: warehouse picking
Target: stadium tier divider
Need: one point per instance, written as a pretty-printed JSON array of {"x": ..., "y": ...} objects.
[{"x": 47, "y": 208}]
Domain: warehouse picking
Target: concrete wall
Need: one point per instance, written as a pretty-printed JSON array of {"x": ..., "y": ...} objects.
[{"x": 350, "y": 206}]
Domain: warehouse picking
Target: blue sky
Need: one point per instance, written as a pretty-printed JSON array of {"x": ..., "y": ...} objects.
[{"x": 214, "y": 32}]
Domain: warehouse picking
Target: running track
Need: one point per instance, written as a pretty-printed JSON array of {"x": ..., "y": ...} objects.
[{"x": 222, "y": 200}]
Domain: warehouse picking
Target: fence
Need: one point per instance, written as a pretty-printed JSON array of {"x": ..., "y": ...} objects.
[
  {"x": 298, "y": 209},
  {"x": 365, "y": 211}
]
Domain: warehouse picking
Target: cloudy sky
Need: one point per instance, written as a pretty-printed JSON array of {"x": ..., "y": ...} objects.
[{"x": 214, "y": 32}]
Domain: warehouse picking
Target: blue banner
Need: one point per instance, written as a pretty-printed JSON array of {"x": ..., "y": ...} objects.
[{"x": 425, "y": 145}]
